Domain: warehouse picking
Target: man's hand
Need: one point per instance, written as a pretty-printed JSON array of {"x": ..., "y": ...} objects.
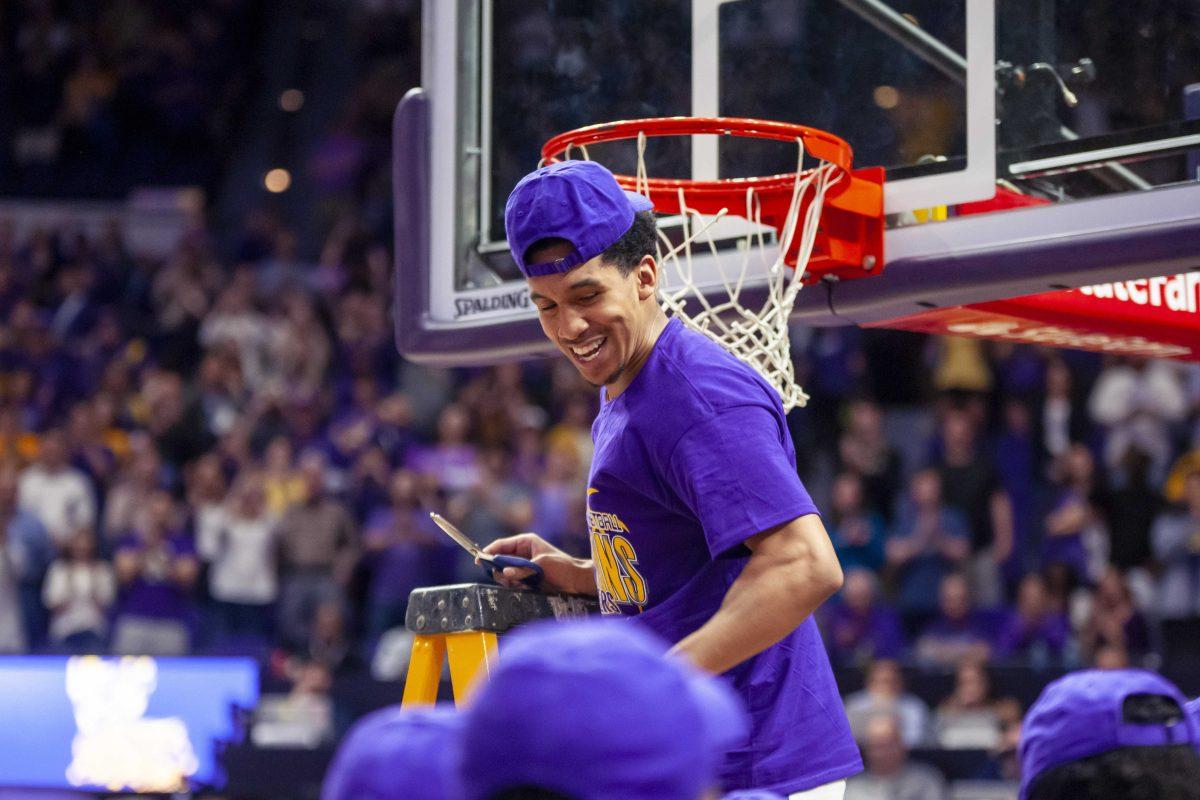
[{"x": 561, "y": 572}]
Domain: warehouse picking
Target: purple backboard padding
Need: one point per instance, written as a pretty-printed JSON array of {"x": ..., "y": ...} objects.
[
  {"x": 958, "y": 262},
  {"x": 1018, "y": 252}
]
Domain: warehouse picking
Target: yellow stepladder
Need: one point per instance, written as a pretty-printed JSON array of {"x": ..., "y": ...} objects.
[{"x": 462, "y": 622}]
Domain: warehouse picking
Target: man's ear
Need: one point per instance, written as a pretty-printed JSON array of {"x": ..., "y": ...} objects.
[{"x": 646, "y": 273}]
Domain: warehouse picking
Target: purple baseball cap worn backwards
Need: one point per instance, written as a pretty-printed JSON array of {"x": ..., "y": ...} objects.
[
  {"x": 1081, "y": 715},
  {"x": 579, "y": 201},
  {"x": 597, "y": 710},
  {"x": 398, "y": 754}
]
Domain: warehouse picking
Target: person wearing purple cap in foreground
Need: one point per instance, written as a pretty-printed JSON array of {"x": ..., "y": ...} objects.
[
  {"x": 700, "y": 527},
  {"x": 596, "y": 710},
  {"x": 398, "y": 754},
  {"x": 1110, "y": 735}
]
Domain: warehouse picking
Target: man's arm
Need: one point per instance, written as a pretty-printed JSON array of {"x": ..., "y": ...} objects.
[{"x": 792, "y": 569}]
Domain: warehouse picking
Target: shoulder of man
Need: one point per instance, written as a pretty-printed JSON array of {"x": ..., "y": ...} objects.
[{"x": 707, "y": 378}]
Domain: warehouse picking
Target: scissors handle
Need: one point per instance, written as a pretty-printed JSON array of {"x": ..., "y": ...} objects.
[{"x": 500, "y": 562}]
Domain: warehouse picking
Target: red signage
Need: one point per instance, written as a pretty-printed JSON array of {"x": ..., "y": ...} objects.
[{"x": 1151, "y": 317}]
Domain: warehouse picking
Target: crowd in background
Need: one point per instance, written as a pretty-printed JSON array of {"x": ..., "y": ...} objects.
[
  {"x": 198, "y": 456},
  {"x": 101, "y": 98}
]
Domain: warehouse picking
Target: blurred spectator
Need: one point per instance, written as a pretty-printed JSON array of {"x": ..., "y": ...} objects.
[
  {"x": 884, "y": 694},
  {"x": 328, "y": 643},
  {"x": 18, "y": 445},
  {"x": 319, "y": 545},
  {"x": 1109, "y": 656},
  {"x": 283, "y": 484},
  {"x": 860, "y": 629},
  {"x": 1176, "y": 540},
  {"x": 967, "y": 719},
  {"x": 79, "y": 592},
  {"x": 1062, "y": 419},
  {"x": 1034, "y": 631},
  {"x": 959, "y": 631},
  {"x": 1136, "y": 400},
  {"x": 55, "y": 492},
  {"x": 234, "y": 321},
  {"x": 960, "y": 367},
  {"x": 239, "y": 543},
  {"x": 205, "y": 492},
  {"x": 1113, "y": 621},
  {"x": 141, "y": 476},
  {"x": 497, "y": 505},
  {"x": 1075, "y": 535},
  {"x": 971, "y": 486},
  {"x": 1016, "y": 458},
  {"x": 573, "y": 432},
  {"x": 401, "y": 553},
  {"x": 12, "y": 624},
  {"x": 889, "y": 774},
  {"x": 864, "y": 449},
  {"x": 89, "y": 448},
  {"x": 27, "y": 552},
  {"x": 559, "y": 511},
  {"x": 452, "y": 458},
  {"x": 156, "y": 570},
  {"x": 857, "y": 533},
  {"x": 1129, "y": 509},
  {"x": 927, "y": 542}
]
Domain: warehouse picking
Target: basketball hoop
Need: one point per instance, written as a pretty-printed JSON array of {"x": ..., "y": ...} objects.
[{"x": 829, "y": 221}]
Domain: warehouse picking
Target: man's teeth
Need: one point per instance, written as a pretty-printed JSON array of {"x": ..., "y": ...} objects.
[{"x": 589, "y": 350}]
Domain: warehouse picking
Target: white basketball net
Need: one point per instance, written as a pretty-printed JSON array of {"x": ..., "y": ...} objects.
[{"x": 759, "y": 336}]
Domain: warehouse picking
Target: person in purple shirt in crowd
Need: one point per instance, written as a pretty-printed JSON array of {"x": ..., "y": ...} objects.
[
  {"x": 858, "y": 629},
  {"x": 959, "y": 630},
  {"x": 1035, "y": 630},
  {"x": 593, "y": 710},
  {"x": 452, "y": 458},
  {"x": 700, "y": 528},
  {"x": 1110, "y": 735},
  {"x": 402, "y": 552},
  {"x": 156, "y": 568}
]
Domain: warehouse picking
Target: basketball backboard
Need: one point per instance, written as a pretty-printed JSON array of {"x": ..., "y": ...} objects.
[{"x": 1058, "y": 101}]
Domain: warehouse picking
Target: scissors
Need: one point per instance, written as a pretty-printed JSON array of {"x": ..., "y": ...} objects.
[{"x": 490, "y": 562}]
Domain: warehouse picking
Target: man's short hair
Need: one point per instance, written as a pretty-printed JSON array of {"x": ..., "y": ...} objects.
[
  {"x": 635, "y": 244},
  {"x": 1170, "y": 772}
]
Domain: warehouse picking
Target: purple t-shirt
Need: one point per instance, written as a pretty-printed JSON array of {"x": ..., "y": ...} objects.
[{"x": 692, "y": 459}]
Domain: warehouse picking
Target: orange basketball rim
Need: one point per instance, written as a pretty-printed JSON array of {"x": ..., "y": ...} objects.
[{"x": 849, "y": 241}]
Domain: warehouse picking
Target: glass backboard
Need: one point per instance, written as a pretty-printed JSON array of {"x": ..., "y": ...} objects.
[{"x": 1085, "y": 114}]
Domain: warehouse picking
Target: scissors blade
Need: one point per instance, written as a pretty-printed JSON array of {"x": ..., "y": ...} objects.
[{"x": 458, "y": 536}]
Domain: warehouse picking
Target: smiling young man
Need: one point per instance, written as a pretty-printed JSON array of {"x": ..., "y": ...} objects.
[{"x": 700, "y": 527}]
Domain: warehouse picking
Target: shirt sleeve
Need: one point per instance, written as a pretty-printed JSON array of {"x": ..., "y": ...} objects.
[{"x": 737, "y": 473}]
